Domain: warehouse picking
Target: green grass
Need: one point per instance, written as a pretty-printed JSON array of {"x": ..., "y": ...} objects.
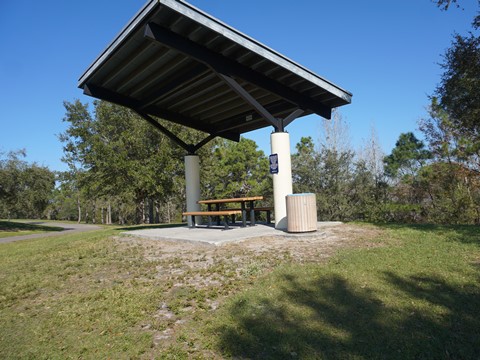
[
  {"x": 80, "y": 296},
  {"x": 14, "y": 228},
  {"x": 417, "y": 296},
  {"x": 414, "y": 293}
]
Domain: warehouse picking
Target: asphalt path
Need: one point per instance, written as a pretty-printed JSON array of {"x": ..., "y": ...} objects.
[{"x": 67, "y": 229}]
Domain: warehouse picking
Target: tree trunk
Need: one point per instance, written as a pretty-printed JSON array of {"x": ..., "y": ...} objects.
[
  {"x": 109, "y": 214},
  {"x": 141, "y": 212},
  {"x": 79, "y": 210},
  {"x": 157, "y": 213},
  {"x": 94, "y": 213},
  {"x": 168, "y": 212},
  {"x": 151, "y": 219}
]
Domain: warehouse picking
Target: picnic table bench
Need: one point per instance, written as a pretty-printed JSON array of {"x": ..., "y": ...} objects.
[
  {"x": 267, "y": 209},
  {"x": 209, "y": 214}
]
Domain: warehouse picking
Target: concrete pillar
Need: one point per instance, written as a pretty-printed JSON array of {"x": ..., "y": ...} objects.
[
  {"x": 282, "y": 182},
  {"x": 192, "y": 184}
]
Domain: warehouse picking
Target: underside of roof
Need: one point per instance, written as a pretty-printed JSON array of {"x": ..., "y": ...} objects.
[{"x": 178, "y": 63}]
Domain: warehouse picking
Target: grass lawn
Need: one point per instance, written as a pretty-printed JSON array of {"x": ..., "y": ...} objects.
[
  {"x": 407, "y": 292},
  {"x": 416, "y": 296},
  {"x": 14, "y": 228}
]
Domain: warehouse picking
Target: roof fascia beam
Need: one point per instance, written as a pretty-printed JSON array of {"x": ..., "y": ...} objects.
[
  {"x": 229, "y": 67},
  {"x": 107, "y": 95}
]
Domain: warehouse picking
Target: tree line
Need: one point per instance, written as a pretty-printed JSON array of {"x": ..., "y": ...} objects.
[{"x": 121, "y": 170}]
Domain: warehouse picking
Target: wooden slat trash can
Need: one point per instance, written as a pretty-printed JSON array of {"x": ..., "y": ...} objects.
[{"x": 301, "y": 213}]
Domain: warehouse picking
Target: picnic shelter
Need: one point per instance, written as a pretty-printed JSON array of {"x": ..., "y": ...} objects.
[{"x": 175, "y": 62}]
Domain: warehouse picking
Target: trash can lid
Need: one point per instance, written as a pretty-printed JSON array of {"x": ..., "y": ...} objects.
[{"x": 302, "y": 194}]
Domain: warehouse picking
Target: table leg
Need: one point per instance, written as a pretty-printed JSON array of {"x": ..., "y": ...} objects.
[
  {"x": 217, "y": 206},
  {"x": 226, "y": 222},
  {"x": 244, "y": 215},
  {"x": 252, "y": 213}
]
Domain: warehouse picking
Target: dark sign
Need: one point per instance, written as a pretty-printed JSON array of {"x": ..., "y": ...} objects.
[{"x": 274, "y": 164}]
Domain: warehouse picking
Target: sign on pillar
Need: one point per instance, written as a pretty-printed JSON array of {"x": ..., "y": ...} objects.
[{"x": 282, "y": 176}]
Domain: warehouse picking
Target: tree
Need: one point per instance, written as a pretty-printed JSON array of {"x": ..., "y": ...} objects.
[
  {"x": 372, "y": 155},
  {"x": 370, "y": 180},
  {"x": 402, "y": 166},
  {"x": 334, "y": 197},
  {"x": 347, "y": 187},
  {"x": 408, "y": 155},
  {"x": 25, "y": 189},
  {"x": 116, "y": 156},
  {"x": 132, "y": 158},
  {"x": 452, "y": 193},
  {"x": 117, "y": 159},
  {"x": 459, "y": 90},
  {"x": 452, "y": 180},
  {"x": 453, "y": 132},
  {"x": 335, "y": 193},
  {"x": 445, "y": 4},
  {"x": 235, "y": 170},
  {"x": 306, "y": 167},
  {"x": 11, "y": 168}
]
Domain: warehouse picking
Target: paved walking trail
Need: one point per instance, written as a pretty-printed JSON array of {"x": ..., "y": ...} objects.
[{"x": 67, "y": 229}]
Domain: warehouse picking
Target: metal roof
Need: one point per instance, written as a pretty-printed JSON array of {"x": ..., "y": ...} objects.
[{"x": 176, "y": 62}]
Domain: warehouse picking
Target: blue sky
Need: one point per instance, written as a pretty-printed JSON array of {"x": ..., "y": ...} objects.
[{"x": 385, "y": 52}]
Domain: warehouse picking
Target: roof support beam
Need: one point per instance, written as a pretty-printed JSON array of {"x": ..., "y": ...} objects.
[
  {"x": 278, "y": 124},
  {"x": 233, "y": 123},
  {"x": 204, "y": 142},
  {"x": 286, "y": 121},
  {"x": 235, "y": 86},
  {"x": 230, "y": 67},
  {"x": 190, "y": 148},
  {"x": 168, "y": 133},
  {"x": 135, "y": 105}
]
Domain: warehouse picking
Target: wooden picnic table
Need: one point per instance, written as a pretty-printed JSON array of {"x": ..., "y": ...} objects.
[{"x": 243, "y": 201}]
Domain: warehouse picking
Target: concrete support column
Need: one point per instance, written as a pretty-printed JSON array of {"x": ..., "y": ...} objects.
[
  {"x": 192, "y": 181},
  {"x": 282, "y": 182}
]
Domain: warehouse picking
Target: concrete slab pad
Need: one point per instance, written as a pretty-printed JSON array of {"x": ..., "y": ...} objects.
[{"x": 218, "y": 235}]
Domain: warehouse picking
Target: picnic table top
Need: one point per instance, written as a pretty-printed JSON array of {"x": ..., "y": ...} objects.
[{"x": 222, "y": 201}]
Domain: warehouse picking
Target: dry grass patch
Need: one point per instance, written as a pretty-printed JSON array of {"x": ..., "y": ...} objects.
[{"x": 198, "y": 278}]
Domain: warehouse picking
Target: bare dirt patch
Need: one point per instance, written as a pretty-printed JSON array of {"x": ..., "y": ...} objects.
[{"x": 198, "y": 277}]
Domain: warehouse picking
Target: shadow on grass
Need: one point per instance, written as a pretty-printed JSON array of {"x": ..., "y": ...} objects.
[
  {"x": 329, "y": 318},
  {"x": 12, "y": 226},
  {"x": 153, "y": 226}
]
